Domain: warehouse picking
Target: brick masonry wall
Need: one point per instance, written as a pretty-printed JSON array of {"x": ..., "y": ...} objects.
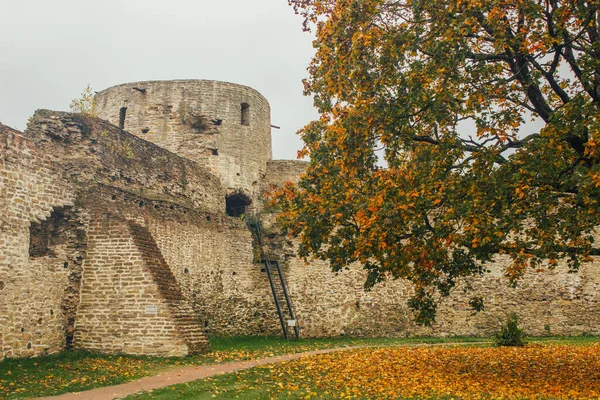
[
  {"x": 554, "y": 302},
  {"x": 210, "y": 255},
  {"x": 34, "y": 302},
  {"x": 130, "y": 301},
  {"x": 186, "y": 323},
  {"x": 164, "y": 113},
  {"x": 91, "y": 151}
]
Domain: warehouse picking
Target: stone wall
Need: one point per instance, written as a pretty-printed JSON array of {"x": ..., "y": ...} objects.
[
  {"x": 131, "y": 302},
  {"x": 37, "y": 283},
  {"x": 552, "y": 302},
  {"x": 51, "y": 185},
  {"x": 91, "y": 151},
  {"x": 210, "y": 256},
  {"x": 178, "y": 116},
  {"x": 112, "y": 243}
]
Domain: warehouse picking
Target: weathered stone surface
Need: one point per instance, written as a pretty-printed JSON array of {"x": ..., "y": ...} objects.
[
  {"x": 169, "y": 114},
  {"x": 51, "y": 190},
  {"x": 130, "y": 301},
  {"x": 112, "y": 243},
  {"x": 90, "y": 151},
  {"x": 32, "y": 288}
]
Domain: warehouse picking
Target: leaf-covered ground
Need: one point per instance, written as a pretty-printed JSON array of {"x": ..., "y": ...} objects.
[
  {"x": 534, "y": 372},
  {"x": 77, "y": 371}
]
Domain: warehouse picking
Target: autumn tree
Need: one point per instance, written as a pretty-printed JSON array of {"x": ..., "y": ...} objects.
[{"x": 421, "y": 164}]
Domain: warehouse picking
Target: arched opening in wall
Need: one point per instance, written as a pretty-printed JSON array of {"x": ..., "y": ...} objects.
[
  {"x": 246, "y": 114},
  {"x": 53, "y": 231},
  {"x": 42, "y": 234},
  {"x": 236, "y": 204},
  {"x": 122, "y": 115}
]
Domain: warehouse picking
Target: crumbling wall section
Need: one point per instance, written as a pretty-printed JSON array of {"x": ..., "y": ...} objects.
[
  {"x": 92, "y": 151},
  {"x": 37, "y": 282},
  {"x": 47, "y": 181}
]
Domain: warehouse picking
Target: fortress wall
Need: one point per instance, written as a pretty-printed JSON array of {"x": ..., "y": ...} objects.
[
  {"x": 116, "y": 179},
  {"x": 90, "y": 151},
  {"x": 281, "y": 171},
  {"x": 122, "y": 308},
  {"x": 210, "y": 256},
  {"x": 330, "y": 304},
  {"x": 177, "y": 115},
  {"x": 35, "y": 301},
  {"x": 46, "y": 181},
  {"x": 555, "y": 302},
  {"x": 154, "y": 229}
]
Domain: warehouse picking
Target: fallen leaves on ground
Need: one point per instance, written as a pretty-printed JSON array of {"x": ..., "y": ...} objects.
[
  {"x": 533, "y": 372},
  {"x": 222, "y": 356}
]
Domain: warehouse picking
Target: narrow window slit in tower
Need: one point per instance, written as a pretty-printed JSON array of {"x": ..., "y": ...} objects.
[
  {"x": 245, "y": 114},
  {"x": 122, "y": 114}
]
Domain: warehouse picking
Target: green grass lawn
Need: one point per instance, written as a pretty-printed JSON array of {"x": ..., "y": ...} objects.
[
  {"x": 255, "y": 383},
  {"x": 77, "y": 371}
]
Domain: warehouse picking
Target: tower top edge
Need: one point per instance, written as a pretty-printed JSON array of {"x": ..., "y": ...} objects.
[{"x": 180, "y": 82}]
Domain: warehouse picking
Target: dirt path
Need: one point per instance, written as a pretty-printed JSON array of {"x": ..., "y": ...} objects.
[{"x": 181, "y": 375}]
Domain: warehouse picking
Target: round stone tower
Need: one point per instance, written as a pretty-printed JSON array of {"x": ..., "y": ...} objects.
[{"x": 222, "y": 126}]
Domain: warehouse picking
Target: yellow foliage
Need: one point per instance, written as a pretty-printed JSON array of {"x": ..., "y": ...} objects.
[
  {"x": 557, "y": 372},
  {"x": 86, "y": 104}
]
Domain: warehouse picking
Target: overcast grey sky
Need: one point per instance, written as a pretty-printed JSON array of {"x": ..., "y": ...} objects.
[{"x": 51, "y": 49}]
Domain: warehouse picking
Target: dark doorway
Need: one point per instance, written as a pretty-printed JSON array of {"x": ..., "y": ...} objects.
[{"x": 236, "y": 204}]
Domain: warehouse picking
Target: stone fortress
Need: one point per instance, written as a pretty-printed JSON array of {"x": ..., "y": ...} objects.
[{"x": 124, "y": 234}]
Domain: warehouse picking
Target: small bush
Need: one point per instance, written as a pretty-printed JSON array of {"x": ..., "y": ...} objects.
[
  {"x": 510, "y": 334},
  {"x": 86, "y": 104}
]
